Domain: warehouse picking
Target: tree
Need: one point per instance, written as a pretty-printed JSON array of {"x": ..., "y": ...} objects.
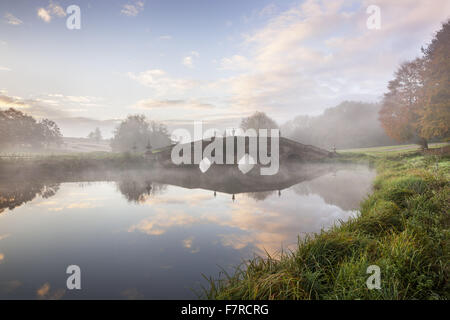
[
  {"x": 399, "y": 114},
  {"x": 20, "y": 130},
  {"x": 95, "y": 135},
  {"x": 51, "y": 134},
  {"x": 417, "y": 105},
  {"x": 135, "y": 133},
  {"x": 435, "y": 116},
  {"x": 257, "y": 121}
]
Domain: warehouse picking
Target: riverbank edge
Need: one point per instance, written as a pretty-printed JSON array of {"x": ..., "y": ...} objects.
[{"x": 403, "y": 228}]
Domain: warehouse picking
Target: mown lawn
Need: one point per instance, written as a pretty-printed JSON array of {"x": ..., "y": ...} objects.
[{"x": 403, "y": 227}]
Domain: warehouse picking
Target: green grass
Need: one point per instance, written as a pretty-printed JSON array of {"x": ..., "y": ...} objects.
[{"x": 403, "y": 227}]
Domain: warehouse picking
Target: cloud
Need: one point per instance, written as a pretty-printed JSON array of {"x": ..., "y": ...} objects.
[
  {"x": 161, "y": 82},
  {"x": 132, "y": 294},
  {"x": 82, "y": 205},
  {"x": 33, "y": 107},
  {"x": 318, "y": 53},
  {"x": 187, "y": 243},
  {"x": 12, "y": 20},
  {"x": 234, "y": 63},
  {"x": 80, "y": 99},
  {"x": 69, "y": 102},
  {"x": 84, "y": 200},
  {"x": 305, "y": 59},
  {"x": 56, "y": 9},
  {"x": 50, "y": 105},
  {"x": 189, "y": 60},
  {"x": 10, "y": 286},
  {"x": 44, "y": 15},
  {"x": 53, "y": 9},
  {"x": 161, "y": 222},
  {"x": 260, "y": 14},
  {"x": 4, "y": 236},
  {"x": 132, "y": 9},
  {"x": 185, "y": 104},
  {"x": 43, "y": 290},
  {"x": 268, "y": 10},
  {"x": 165, "y": 37},
  {"x": 13, "y": 102},
  {"x": 260, "y": 225}
]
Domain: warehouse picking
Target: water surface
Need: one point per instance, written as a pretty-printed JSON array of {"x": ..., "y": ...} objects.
[{"x": 136, "y": 238}]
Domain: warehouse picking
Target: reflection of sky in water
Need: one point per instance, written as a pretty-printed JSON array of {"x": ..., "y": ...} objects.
[{"x": 158, "y": 248}]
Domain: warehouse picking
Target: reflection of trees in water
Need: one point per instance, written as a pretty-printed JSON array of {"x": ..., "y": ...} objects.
[
  {"x": 259, "y": 196},
  {"x": 49, "y": 190},
  {"x": 14, "y": 194},
  {"x": 344, "y": 188},
  {"x": 138, "y": 189}
]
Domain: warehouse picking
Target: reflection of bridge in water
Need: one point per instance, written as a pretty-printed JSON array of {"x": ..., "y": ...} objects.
[
  {"x": 229, "y": 179},
  {"x": 136, "y": 184}
]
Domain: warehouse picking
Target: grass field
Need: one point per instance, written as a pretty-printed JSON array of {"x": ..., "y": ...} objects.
[
  {"x": 402, "y": 227},
  {"x": 69, "y": 145},
  {"x": 398, "y": 149},
  {"x": 60, "y": 165}
]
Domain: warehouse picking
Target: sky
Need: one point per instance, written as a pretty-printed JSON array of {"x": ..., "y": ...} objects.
[{"x": 198, "y": 60}]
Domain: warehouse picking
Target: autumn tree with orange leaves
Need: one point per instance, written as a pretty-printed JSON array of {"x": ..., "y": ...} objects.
[
  {"x": 417, "y": 104},
  {"x": 434, "y": 118}
]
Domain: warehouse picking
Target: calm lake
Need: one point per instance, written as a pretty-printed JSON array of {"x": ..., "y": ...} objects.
[{"x": 136, "y": 238}]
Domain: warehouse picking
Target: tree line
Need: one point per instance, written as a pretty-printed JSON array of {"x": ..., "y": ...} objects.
[
  {"x": 18, "y": 130},
  {"x": 138, "y": 134},
  {"x": 351, "y": 124}
]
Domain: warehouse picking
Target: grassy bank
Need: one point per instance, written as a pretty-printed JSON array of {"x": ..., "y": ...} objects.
[{"x": 403, "y": 228}]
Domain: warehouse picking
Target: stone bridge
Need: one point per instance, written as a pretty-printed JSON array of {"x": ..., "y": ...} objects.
[{"x": 289, "y": 151}]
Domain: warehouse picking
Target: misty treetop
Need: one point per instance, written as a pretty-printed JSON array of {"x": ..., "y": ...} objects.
[
  {"x": 18, "y": 130},
  {"x": 257, "y": 121},
  {"x": 138, "y": 134},
  {"x": 95, "y": 135}
]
